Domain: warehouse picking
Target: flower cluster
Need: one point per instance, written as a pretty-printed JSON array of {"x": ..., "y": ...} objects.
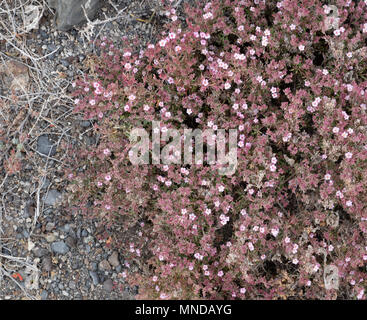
[{"x": 296, "y": 92}]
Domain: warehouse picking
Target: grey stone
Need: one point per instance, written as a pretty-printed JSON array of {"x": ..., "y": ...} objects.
[
  {"x": 114, "y": 259},
  {"x": 84, "y": 233},
  {"x": 72, "y": 285},
  {"x": 51, "y": 47},
  {"x": 94, "y": 277},
  {"x": 40, "y": 252},
  {"x": 94, "y": 266},
  {"x": 104, "y": 265},
  {"x": 108, "y": 285},
  {"x": 71, "y": 242},
  {"x": 47, "y": 264},
  {"x": 50, "y": 226},
  {"x": 52, "y": 197},
  {"x": 45, "y": 183},
  {"x": 69, "y": 13},
  {"x": 44, "y": 35},
  {"x": 60, "y": 247},
  {"x": 44, "y": 295},
  {"x": 25, "y": 233},
  {"x": 75, "y": 265},
  {"x": 85, "y": 123},
  {"x": 65, "y": 63},
  {"x": 44, "y": 146}
]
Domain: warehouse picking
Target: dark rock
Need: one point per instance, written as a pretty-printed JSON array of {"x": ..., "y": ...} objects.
[
  {"x": 29, "y": 209},
  {"x": 44, "y": 146},
  {"x": 69, "y": 13}
]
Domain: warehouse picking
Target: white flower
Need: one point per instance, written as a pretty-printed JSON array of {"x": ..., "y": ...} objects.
[
  {"x": 274, "y": 232},
  {"x": 348, "y": 155},
  {"x": 208, "y": 15},
  {"x": 163, "y": 42},
  {"x": 361, "y": 293},
  {"x": 335, "y": 130},
  {"x": 301, "y": 47},
  {"x": 264, "y": 41},
  {"x": 221, "y": 188}
]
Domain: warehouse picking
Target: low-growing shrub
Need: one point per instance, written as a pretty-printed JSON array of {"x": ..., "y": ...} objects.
[{"x": 291, "y": 222}]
